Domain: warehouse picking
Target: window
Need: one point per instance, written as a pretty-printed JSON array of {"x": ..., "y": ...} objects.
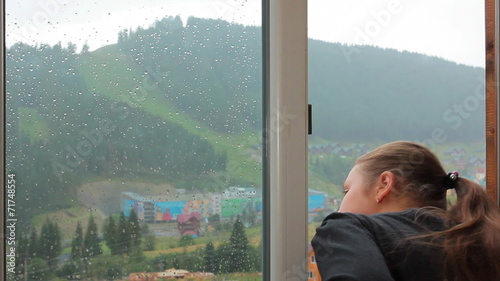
[
  {"x": 379, "y": 72},
  {"x": 134, "y": 138}
]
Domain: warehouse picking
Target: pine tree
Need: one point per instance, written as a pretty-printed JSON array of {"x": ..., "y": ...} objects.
[
  {"x": 110, "y": 236},
  {"x": 123, "y": 235},
  {"x": 135, "y": 229},
  {"x": 91, "y": 244},
  {"x": 77, "y": 243},
  {"x": 224, "y": 258},
  {"x": 210, "y": 258},
  {"x": 74, "y": 267},
  {"x": 41, "y": 243},
  {"x": 50, "y": 243},
  {"x": 239, "y": 249},
  {"x": 56, "y": 241}
]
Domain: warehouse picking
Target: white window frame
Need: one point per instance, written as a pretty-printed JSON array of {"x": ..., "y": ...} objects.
[
  {"x": 2, "y": 130},
  {"x": 285, "y": 56}
]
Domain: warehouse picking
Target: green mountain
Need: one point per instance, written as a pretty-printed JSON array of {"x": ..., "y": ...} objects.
[
  {"x": 182, "y": 104},
  {"x": 365, "y": 94}
]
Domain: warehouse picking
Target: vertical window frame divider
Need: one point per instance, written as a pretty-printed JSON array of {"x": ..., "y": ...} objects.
[
  {"x": 286, "y": 139},
  {"x": 492, "y": 100},
  {"x": 266, "y": 178},
  {"x": 2, "y": 133}
]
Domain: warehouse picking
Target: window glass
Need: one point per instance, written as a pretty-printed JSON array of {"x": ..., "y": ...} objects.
[
  {"x": 381, "y": 71},
  {"x": 133, "y": 139}
]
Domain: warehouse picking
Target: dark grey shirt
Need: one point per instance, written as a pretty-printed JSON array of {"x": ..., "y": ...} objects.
[{"x": 374, "y": 247}]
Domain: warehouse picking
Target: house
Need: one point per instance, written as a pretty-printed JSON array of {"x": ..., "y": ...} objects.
[{"x": 189, "y": 224}]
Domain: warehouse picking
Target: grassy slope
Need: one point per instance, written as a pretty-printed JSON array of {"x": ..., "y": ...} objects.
[{"x": 110, "y": 73}]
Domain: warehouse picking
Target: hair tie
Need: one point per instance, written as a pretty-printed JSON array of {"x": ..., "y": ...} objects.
[{"x": 451, "y": 179}]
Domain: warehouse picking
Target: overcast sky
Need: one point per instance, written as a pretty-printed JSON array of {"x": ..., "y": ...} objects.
[{"x": 451, "y": 29}]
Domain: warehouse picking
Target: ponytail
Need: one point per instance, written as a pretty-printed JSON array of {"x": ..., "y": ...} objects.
[{"x": 472, "y": 241}]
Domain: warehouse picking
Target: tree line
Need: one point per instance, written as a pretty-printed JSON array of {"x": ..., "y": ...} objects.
[
  {"x": 39, "y": 255},
  {"x": 120, "y": 251},
  {"x": 235, "y": 255}
]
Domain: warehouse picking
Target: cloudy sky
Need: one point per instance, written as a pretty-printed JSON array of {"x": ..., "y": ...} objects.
[{"x": 450, "y": 29}]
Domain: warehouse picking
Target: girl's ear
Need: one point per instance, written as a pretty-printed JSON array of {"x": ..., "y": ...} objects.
[{"x": 385, "y": 185}]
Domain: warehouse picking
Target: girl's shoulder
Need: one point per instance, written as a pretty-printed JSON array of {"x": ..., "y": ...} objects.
[{"x": 411, "y": 221}]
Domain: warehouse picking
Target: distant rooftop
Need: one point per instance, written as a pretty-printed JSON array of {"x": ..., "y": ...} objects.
[{"x": 137, "y": 197}]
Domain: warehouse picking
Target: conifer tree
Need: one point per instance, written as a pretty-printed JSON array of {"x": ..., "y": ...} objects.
[
  {"x": 224, "y": 258},
  {"x": 110, "y": 235},
  {"x": 74, "y": 267},
  {"x": 239, "y": 251},
  {"x": 210, "y": 258},
  {"x": 56, "y": 238},
  {"x": 135, "y": 229},
  {"x": 41, "y": 242},
  {"x": 91, "y": 244},
  {"x": 123, "y": 235},
  {"x": 50, "y": 243},
  {"x": 77, "y": 243}
]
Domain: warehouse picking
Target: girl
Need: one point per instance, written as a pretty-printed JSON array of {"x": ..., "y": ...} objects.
[{"x": 394, "y": 224}]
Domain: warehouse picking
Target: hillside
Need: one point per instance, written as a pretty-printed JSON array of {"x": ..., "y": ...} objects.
[{"x": 378, "y": 94}]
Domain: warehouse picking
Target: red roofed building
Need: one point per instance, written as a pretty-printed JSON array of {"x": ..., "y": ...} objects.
[{"x": 189, "y": 224}]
